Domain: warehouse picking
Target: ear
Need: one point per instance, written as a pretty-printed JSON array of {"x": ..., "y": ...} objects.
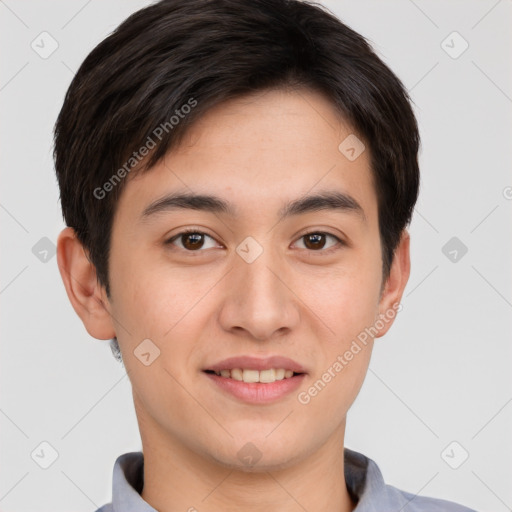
[
  {"x": 87, "y": 296},
  {"x": 395, "y": 285}
]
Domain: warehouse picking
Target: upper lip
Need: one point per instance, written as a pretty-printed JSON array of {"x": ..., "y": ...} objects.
[{"x": 257, "y": 363}]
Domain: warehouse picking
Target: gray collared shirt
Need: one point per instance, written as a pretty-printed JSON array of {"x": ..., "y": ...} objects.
[{"x": 363, "y": 477}]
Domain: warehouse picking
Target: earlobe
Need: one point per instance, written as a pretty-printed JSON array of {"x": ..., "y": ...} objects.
[
  {"x": 395, "y": 284},
  {"x": 86, "y": 295}
]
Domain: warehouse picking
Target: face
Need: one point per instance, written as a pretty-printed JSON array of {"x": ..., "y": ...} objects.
[{"x": 255, "y": 278}]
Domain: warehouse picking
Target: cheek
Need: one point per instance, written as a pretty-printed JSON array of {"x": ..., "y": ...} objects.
[
  {"x": 150, "y": 298},
  {"x": 162, "y": 308},
  {"x": 164, "y": 305},
  {"x": 347, "y": 303},
  {"x": 338, "y": 380},
  {"x": 345, "y": 299}
]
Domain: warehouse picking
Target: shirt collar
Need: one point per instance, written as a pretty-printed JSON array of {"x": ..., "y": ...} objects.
[{"x": 362, "y": 475}]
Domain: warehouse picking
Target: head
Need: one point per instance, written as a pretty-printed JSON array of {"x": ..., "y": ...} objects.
[{"x": 243, "y": 109}]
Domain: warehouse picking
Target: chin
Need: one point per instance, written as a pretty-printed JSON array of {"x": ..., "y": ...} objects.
[{"x": 251, "y": 458}]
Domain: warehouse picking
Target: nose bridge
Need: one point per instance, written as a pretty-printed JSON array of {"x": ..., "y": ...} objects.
[
  {"x": 257, "y": 267},
  {"x": 260, "y": 302}
]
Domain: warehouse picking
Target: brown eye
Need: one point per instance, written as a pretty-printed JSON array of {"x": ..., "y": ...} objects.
[
  {"x": 191, "y": 241},
  {"x": 316, "y": 241}
]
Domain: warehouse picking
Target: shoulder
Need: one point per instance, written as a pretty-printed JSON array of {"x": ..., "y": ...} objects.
[
  {"x": 106, "y": 508},
  {"x": 415, "y": 503},
  {"x": 366, "y": 484}
]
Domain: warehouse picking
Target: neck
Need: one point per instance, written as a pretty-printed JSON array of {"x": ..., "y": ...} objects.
[{"x": 178, "y": 478}]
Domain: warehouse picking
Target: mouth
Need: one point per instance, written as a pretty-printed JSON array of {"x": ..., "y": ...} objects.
[
  {"x": 255, "y": 380},
  {"x": 253, "y": 376}
]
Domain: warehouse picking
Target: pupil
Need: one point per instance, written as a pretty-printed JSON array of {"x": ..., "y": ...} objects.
[
  {"x": 311, "y": 240},
  {"x": 197, "y": 237},
  {"x": 315, "y": 237}
]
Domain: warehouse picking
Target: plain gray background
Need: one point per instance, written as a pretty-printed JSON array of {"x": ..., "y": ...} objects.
[{"x": 441, "y": 375}]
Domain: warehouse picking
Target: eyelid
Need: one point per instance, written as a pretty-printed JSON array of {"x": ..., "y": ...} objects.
[
  {"x": 309, "y": 231},
  {"x": 185, "y": 231},
  {"x": 340, "y": 242}
]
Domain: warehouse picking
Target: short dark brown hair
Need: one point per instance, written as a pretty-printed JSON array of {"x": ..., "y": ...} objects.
[{"x": 200, "y": 53}]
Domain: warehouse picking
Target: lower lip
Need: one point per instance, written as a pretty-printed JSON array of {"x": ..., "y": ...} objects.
[{"x": 257, "y": 392}]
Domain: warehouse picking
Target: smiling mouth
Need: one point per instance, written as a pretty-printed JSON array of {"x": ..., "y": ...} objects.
[{"x": 255, "y": 376}]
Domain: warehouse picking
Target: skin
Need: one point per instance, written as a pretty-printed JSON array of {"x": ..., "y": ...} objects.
[{"x": 207, "y": 304}]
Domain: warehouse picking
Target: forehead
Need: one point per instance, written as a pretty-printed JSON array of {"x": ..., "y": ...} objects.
[{"x": 260, "y": 151}]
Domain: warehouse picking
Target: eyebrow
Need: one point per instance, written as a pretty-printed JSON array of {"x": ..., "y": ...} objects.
[{"x": 324, "y": 200}]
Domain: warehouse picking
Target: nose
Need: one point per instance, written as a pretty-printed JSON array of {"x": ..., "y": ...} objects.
[{"x": 260, "y": 302}]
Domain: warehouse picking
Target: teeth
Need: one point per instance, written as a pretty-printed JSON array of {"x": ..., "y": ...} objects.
[
  {"x": 237, "y": 374},
  {"x": 265, "y": 376}
]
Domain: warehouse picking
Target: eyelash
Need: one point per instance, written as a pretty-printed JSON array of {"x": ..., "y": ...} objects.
[{"x": 197, "y": 231}]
